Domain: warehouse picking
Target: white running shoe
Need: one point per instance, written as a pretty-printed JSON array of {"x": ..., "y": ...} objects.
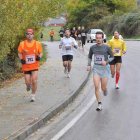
[
  {"x": 117, "y": 86},
  {"x": 99, "y": 108},
  {"x": 105, "y": 92},
  {"x": 29, "y": 87},
  {"x": 65, "y": 70},
  {"x": 68, "y": 75},
  {"x": 32, "y": 98},
  {"x": 112, "y": 76}
]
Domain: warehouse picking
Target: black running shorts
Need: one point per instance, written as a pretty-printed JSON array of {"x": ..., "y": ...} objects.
[
  {"x": 117, "y": 59},
  {"x": 67, "y": 57},
  {"x": 83, "y": 41},
  {"x": 29, "y": 72}
]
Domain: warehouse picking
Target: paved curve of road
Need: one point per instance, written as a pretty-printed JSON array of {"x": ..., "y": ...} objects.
[{"x": 120, "y": 117}]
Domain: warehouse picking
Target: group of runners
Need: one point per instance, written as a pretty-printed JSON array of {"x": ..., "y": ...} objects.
[
  {"x": 106, "y": 57},
  {"x": 79, "y": 35}
]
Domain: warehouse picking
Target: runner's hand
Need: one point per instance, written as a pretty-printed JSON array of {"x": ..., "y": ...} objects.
[
  {"x": 88, "y": 68},
  {"x": 113, "y": 52},
  {"x": 38, "y": 58},
  {"x": 104, "y": 63},
  {"x": 22, "y": 61},
  {"x": 124, "y": 52}
]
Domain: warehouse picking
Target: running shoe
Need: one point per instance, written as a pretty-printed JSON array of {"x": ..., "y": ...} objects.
[
  {"x": 68, "y": 75},
  {"x": 112, "y": 76},
  {"x": 117, "y": 86},
  {"x": 105, "y": 92},
  {"x": 82, "y": 49},
  {"x": 32, "y": 98},
  {"x": 29, "y": 88},
  {"x": 65, "y": 70},
  {"x": 99, "y": 108}
]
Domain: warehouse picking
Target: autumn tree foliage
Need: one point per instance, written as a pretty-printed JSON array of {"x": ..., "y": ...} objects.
[
  {"x": 84, "y": 12},
  {"x": 18, "y": 15}
]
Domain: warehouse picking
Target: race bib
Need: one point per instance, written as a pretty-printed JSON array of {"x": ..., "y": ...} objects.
[
  {"x": 68, "y": 48},
  {"x": 51, "y": 34},
  {"x": 98, "y": 59},
  {"x": 79, "y": 35},
  {"x": 117, "y": 51},
  {"x": 61, "y": 32},
  {"x": 30, "y": 59},
  {"x": 83, "y": 34}
]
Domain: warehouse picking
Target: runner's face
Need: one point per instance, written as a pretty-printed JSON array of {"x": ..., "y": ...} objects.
[
  {"x": 116, "y": 35},
  {"x": 29, "y": 36},
  {"x": 74, "y": 28},
  {"x": 82, "y": 28},
  {"x": 67, "y": 33},
  {"x": 99, "y": 39}
]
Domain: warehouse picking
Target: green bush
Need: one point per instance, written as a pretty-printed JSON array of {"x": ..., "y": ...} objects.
[{"x": 127, "y": 24}]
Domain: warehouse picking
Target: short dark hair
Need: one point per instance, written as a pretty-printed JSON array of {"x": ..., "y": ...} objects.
[
  {"x": 67, "y": 29},
  {"x": 115, "y": 31},
  {"x": 100, "y": 33}
]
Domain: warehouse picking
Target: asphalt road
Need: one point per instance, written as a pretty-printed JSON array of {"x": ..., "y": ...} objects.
[{"x": 120, "y": 117}]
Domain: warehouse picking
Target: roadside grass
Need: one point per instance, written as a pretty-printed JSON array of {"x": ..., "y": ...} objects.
[
  {"x": 46, "y": 36},
  {"x": 45, "y": 53}
]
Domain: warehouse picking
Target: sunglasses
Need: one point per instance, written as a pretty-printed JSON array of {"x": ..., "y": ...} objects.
[{"x": 29, "y": 33}]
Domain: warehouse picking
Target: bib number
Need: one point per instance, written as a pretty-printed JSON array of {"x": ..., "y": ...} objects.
[
  {"x": 98, "y": 59},
  {"x": 117, "y": 51},
  {"x": 61, "y": 32},
  {"x": 79, "y": 35},
  {"x": 83, "y": 34},
  {"x": 68, "y": 48},
  {"x": 30, "y": 59}
]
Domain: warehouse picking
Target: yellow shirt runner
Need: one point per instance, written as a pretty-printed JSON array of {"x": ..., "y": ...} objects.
[{"x": 117, "y": 46}]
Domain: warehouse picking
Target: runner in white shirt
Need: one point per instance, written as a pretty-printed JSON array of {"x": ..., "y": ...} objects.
[{"x": 67, "y": 44}]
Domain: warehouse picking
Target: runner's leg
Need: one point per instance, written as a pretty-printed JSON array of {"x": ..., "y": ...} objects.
[
  {"x": 69, "y": 66},
  {"x": 34, "y": 81},
  {"x": 118, "y": 67},
  {"x": 112, "y": 68},
  {"x": 65, "y": 63},
  {"x": 27, "y": 79},
  {"x": 96, "y": 80},
  {"x": 104, "y": 85}
]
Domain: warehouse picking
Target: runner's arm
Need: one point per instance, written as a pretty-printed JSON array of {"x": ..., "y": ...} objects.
[
  {"x": 124, "y": 47},
  {"x": 90, "y": 57},
  {"x": 20, "y": 55},
  {"x": 75, "y": 45},
  {"x": 61, "y": 43},
  {"x": 111, "y": 55}
]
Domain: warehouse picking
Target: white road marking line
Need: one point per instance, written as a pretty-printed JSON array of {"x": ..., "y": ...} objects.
[{"x": 73, "y": 122}]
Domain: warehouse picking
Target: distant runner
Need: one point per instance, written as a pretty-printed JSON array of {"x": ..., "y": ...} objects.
[
  {"x": 67, "y": 44},
  {"x": 51, "y": 34},
  {"x": 83, "y": 37},
  {"x": 61, "y": 33},
  {"x": 78, "y": 35},
  {"x": 30, "y": 53},
  {"x": 101, "y": 70},
  {"x": 118, "y": 48},
  {"x": 73, "y": 33}
]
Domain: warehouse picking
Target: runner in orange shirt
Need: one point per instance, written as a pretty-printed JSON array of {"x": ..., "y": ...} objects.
[
  {"x": 51, "y": 34},
  {"x": 30, "y": 53}
]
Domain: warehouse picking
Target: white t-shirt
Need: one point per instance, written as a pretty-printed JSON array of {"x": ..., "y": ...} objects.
[{"x": 67, "y": 48}]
